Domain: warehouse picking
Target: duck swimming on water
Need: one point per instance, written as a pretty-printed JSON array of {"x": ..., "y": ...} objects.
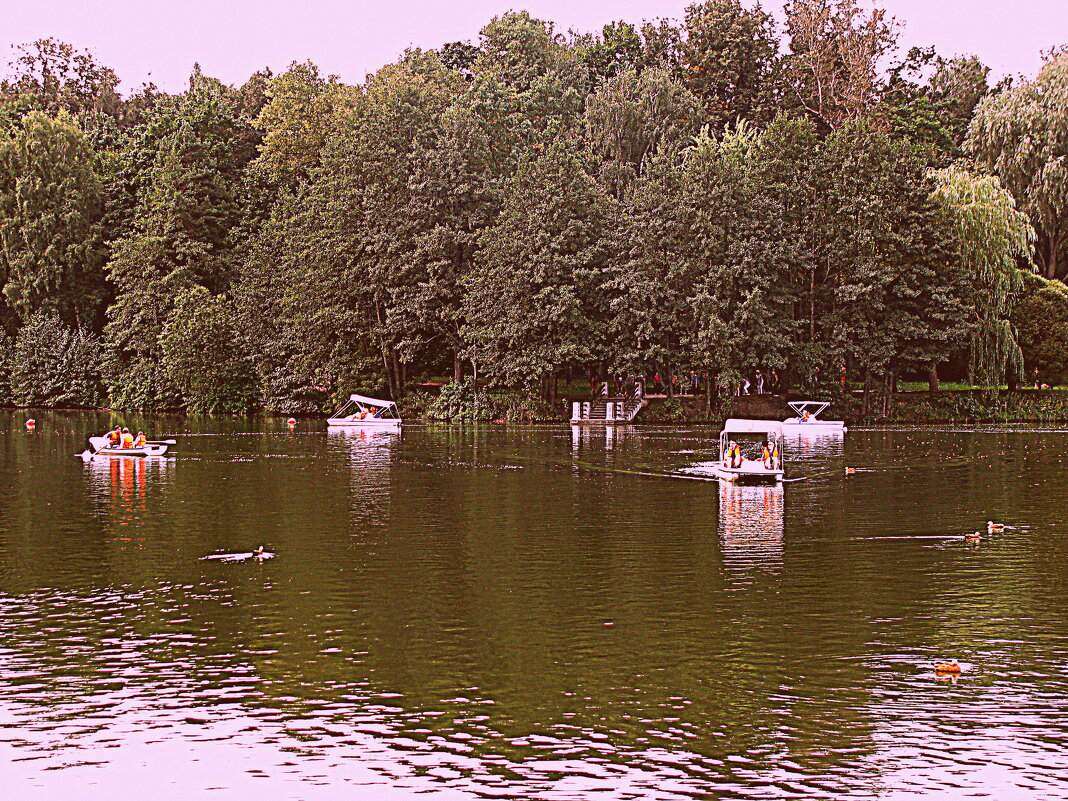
[
  {"x": 974, "y": 537},
  {"x": 994, "y": 528}
]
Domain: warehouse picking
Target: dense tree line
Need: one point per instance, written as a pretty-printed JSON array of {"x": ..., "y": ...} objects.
[{"x": 715, "y": 194}]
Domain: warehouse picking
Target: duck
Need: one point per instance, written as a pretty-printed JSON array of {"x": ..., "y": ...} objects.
[
  {"x": 850, "y": 471},
  {"x": 947, "y": 667},
  {"x": 974, "y": 537},
  {"x": 994, "y": 528}
]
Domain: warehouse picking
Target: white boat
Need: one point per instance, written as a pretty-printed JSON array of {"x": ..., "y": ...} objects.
[
  {"x": 99, "y": 446},
  {"x": 366, "y": 412},
  {"x": 750, "y": 435},
  {"x": 808, "y": 418}
]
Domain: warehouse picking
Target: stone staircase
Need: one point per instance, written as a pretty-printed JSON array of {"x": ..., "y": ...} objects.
[{"x": 626, "y": 409}]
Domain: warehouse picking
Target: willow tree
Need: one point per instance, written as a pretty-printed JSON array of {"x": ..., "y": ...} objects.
[
  {"x": 994, "y": 238},
  {"x": 1021, "y": 135}
]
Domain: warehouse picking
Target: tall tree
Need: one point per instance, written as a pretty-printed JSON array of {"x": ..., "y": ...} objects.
[
  {"x": 1020, "y": 134},
  {"x": 52, "y": 76},
  {"x": 833, "y": 64},
  {"x": 534, "y": 299},
  {"x": 994, "y": 239},
  {"x": 51, "y": 206},
  {"x": 731, "y": 59}
]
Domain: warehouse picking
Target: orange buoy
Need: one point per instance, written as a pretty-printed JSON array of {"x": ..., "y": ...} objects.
[
  {"x": 947, "y": 667},
  {"x": 31, "y": 424}
]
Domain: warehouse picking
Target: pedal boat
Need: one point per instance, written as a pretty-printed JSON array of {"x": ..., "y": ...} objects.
[
  {"x": 750, "y": 470},
  {"x": 812, "y": 422},
  {"x": 357, "y": 413},
  {"x": 100, "y": 447}
]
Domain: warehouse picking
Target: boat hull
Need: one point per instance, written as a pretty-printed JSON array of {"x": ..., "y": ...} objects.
[
  {"x": 744, "y": 475},
  {"x": 794, "y": 426},
  {"x": 99, "y": 447}
]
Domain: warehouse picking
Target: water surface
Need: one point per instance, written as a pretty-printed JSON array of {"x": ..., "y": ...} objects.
[{"x": 502, "y": 613}]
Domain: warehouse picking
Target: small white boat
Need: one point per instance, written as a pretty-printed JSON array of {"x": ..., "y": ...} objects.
[
  {"x": 808, "y": 418},
  {"x": 99, "y": 446},
  {"x": 366, "y": 412},
  {"x": 750, "y": 436}
]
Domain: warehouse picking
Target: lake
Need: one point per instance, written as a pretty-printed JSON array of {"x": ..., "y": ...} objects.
[{"x": 492, "y": 612}]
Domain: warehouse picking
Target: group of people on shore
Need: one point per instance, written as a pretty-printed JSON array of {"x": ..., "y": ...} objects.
[
  {"x": 637, "y": 385},
  {"x": 121, "y": 438}
]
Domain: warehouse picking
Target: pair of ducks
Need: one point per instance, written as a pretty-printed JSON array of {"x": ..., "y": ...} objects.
[{"x": 991, "y": 528}]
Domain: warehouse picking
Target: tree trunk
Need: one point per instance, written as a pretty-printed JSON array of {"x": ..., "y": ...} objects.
[
  {"x": 457, "y": 369},
  {"x": 932, "y": 378},
  {"x": 865, "y": 406}
]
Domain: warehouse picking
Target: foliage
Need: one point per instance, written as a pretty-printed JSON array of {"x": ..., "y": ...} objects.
[
  {"x": 1040, "y": 318},
  {"x": 1020, "y": 134},
  {"x": 54, "y": 365},
  {"x": 833, "y": 65},
  {"x": 533, "y": 208},
  {"x": 993, "y": 238},
  {"x": 731, "y": 60},
  {"x": 200, "y": 357},
  {"x": 51, "y": 205}
]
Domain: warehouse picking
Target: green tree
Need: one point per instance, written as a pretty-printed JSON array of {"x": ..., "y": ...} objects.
[
  {"x": 51, "y": 206},
  {"x": 631, "y": 116},
  {"x": 200, "y": 355},
  {"x": 301, "y": 112},
  {"x": 1040, "y": 319},
  {"x": 731, "y": 60},
  {"x": 1020, "y": 134},
  {"x": 994, "y": 237},
  {"x": 52, "y": 364},
  {"x": 534, "y": 300},
  {"x": 52, "y": 76}
]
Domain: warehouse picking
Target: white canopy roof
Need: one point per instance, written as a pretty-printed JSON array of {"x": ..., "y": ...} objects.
[
  {"x": 813, "y": 407},
  {"x": 738, "y": 426},
  {"x": 371, "y": 401}
]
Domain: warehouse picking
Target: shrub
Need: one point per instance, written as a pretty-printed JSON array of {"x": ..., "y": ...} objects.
[
  {"x": 1041, "y": 321},
  {"x": 200, "y": 357},
  {"x": 53, "y": 365}
]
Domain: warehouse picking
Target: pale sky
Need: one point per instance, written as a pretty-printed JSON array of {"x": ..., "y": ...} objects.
[{"x": 159, "y": 41}]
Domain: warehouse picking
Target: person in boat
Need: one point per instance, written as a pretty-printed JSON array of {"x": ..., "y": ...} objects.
[
  {"x": 733, "y": 456},
  {"x": 127, "y": 439},
  {"x": 140, "y": 440},
  {"x": 805, "y": 417},
  {"x": 770, "y": 455},
  {"x": 115, "y": 437}
]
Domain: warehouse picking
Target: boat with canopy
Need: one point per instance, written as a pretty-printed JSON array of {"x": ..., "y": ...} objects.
[
  {"x": 748, "y": 464},
  {"x": 100, "y": 446},
  {"x": 361, "y": 410},
  {"x": 808, "y": 418}
]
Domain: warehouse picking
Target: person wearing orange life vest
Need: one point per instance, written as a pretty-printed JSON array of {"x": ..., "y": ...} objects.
[
  {"x": 114, "y": 437},
  {"x": 770, "y": 455},
  {"x": 141, "y": 440},
  {"x": 127, "y": 439},
  {"x": 733, "y": 456}
]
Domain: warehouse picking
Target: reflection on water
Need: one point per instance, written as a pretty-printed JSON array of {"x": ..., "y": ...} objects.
[
  {"x": 751, "y": 524},
  {"x": 533, "y": 612}
]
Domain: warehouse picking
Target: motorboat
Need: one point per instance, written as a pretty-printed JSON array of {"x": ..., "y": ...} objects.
[
  {"x": 100, "y": 446},
  {"x": 750, "y": 437},
  {"x": 360, "y": 410},
  {"x": 808, "y": 418}
]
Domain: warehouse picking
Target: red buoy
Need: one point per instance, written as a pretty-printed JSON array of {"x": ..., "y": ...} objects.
[
  {"x": 31, "y": 424},
  {"x": 291, "y": 422}
]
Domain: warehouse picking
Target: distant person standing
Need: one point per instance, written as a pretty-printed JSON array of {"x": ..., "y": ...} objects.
[
  {"x": 759, "y": 383},
  {"x": 658, "y": 386}
]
